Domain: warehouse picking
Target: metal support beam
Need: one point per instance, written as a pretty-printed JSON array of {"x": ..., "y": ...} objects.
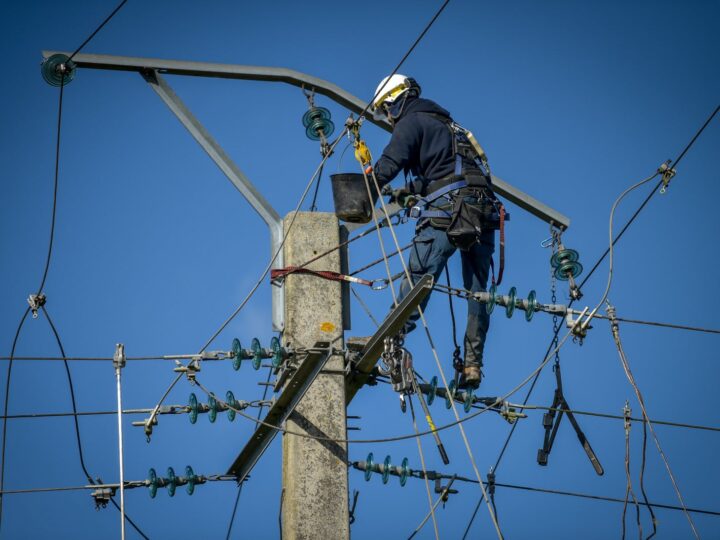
[
  {"x": 279, "y": 412},
  {"x": 295, "y": 78},
  {"x": 390, "y": 327},
  {"x": 234, "y": 174}
]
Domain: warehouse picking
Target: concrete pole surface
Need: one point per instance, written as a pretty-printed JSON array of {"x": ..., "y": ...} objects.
[{"x": 315, "y": 474}]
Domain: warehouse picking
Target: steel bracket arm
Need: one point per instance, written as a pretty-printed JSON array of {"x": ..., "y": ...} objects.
[{"x": 234, "y": 174}]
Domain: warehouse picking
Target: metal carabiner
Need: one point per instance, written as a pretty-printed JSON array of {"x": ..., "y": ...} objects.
[
  {"x": 379, "y": 284},
  {"x": 547, "y": 242}
]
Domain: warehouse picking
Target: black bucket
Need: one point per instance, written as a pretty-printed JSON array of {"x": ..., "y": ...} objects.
[{"x": 351, "y": 197}]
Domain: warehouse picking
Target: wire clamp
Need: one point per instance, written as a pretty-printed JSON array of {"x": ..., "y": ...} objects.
[
  {"x": 119, "y": 357},
  {"x": 667, "y": 175},
  {"x": 36, "y": 302},
  {"x": 190, "y": 370},
  {"x": 581, "y": 325},
  {"x": 102, "y": 496}
]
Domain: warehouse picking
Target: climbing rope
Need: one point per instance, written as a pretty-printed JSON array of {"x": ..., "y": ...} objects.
[{"x": 435, "y": 354}]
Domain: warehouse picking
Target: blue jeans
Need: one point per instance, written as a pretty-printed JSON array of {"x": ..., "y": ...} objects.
[{"x": 429, "y": 255}]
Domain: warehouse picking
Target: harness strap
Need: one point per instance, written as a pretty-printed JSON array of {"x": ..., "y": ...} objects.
[
  {"x": 502, "y": 248},
  {"x": 418, "y": 211}
]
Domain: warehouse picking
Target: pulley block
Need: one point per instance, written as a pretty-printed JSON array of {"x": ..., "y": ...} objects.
[
  {"x": 237, "y": 354},
  {"x": 490, "y": 306},
  {"x": 512, "y": 298},
  {"x": 153, "y": 483},
  {"x": 58, "y": 70},
  {"x": 433, "y": 390},
  {"x": 193, "y": 404},
  {"x": 317, "y": 123},
  {"x": 171, "y": 482},
  {"x": 386, "y": 470},
  {"x": 531, "y": 305},
  {"x": 257, "y": 353},
  {"x": 369, "y": 465},
  {"x": 232, "y": 404}
]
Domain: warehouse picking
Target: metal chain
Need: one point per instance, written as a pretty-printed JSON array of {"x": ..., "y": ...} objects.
[{"x": 553, "y": 295}]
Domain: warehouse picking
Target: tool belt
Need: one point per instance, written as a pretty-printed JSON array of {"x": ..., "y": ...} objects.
[{"x": 462, "y": 210}]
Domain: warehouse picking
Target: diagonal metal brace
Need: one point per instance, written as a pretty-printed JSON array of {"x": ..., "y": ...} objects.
[
  {"x": 390, "y": 327},
  {"x": 281, "y": 410}
]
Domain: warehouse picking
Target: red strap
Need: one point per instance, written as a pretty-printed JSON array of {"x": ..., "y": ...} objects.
[{"x": 281, "y": 273}]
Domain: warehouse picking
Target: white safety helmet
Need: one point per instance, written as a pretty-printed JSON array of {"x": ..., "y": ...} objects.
[{"x": 391, "y": 88}]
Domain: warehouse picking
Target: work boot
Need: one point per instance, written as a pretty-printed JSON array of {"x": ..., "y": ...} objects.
[{"x": 471, "y": 377}]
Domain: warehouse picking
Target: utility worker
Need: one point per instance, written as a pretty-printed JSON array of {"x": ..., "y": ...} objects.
[{"x": 451, "y": 192}]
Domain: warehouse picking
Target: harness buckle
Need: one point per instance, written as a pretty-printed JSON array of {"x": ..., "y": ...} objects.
[{"x": 415, "y": 212}]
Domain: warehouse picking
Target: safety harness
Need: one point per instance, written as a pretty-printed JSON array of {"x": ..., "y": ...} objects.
[{"x": 465, "y": 220}]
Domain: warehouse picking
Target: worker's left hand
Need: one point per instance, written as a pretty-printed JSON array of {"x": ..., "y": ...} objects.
[{"x": 403, "y": 197}]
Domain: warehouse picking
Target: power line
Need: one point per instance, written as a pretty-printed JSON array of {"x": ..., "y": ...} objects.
[
  {"x": 102, "y": 24},
  {"x": 597, "y": 264}
]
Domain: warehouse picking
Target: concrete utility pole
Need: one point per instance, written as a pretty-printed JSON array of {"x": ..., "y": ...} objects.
[{"x": 315, "y": 478}]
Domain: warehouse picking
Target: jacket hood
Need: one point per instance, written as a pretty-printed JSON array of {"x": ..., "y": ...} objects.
[{"x": 413, "y": 105}]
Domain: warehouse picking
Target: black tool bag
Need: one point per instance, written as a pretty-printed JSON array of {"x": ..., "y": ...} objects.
[{"x": 473, "y": 212}]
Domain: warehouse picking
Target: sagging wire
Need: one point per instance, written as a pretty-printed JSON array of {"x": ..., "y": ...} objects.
[
  {"x": 457, "y": 422},
  {"x": 602, "y": 258},
  {"x": 152, "y": 419},
  {"x": 364, "y": 158},
  {"x": 364, "y": 306},
  {"x": 631, "y": 379},
  {"x": 38, "y": 300}
]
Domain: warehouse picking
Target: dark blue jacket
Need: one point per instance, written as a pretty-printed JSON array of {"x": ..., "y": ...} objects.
[{"x": 421, "y": 144}]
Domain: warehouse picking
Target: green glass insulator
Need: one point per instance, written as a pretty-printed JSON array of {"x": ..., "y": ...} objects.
[
  {"x": 404, "y": 472},
  {"x": 152, "y": 483},
  {"x": 490, "y": 306},
  {"x": 58, "y": 70},
  {"x": 531, "y": 306},
  {"x": 469, "y": 399},
  {"x": 562, "y": 256},
  {"x": 369, "y": 464},
  {"x": 433, "y": 390},
  {"x": 315, "y": 120},
  {"x": 257, "y": 353},
  {"x": 230, "y": 400},
  {"x": 450, "y": 394},
  {"x": 191, "y": 480},
  {"x": 386, "y": 470},
  {"x": 510, "y": 307},
  {"x": 237, "y": 354},
  {"x": 277, "y": 352},
  {"x": 193, "y": 404},
  {"x": 171, "y": 482},
  {"x": 212, "y": 409},
  {"x": 567, "y": 269}
]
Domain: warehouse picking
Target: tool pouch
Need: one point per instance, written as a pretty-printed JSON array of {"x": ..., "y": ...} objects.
[{"x": 472, "y": 213}]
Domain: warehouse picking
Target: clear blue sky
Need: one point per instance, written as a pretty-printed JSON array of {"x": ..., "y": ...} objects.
[{"x": 154, "y": 247}]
